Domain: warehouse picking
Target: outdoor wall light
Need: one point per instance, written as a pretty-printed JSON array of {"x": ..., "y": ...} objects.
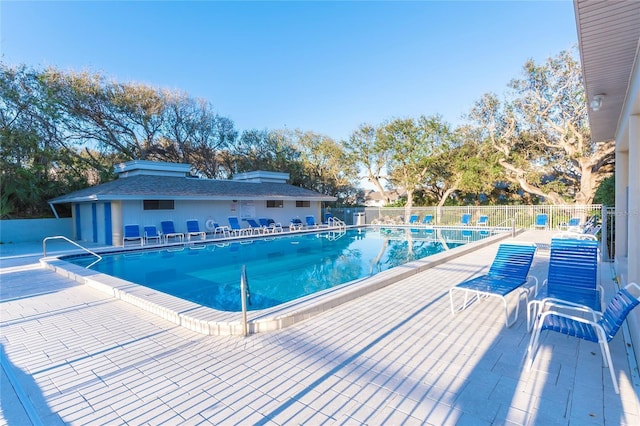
[{"x": 596, "y": 102}]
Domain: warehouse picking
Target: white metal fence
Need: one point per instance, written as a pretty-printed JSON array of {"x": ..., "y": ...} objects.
[{"x": 524, "y": 216}]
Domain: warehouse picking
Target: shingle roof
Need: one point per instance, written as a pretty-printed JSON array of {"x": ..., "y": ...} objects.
[{"x": 164, "y": 187}]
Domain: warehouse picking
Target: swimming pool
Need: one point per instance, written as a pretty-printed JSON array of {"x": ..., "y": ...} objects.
[{"x": 279, "y": 269}]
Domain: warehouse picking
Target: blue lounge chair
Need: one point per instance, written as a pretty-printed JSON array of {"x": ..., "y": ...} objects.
[
  {"x": 427, "y": 220},
  {"x": 151, "y": 233},
  {"x": 413, "y": 219},
  {"x": 169, "y": 231},
  {"x": 132, "y": 233},
  {"x": 465, "y": 219},
  {"x": 296, "y": 224},
  {"x": 509, "y": 271},
  {"x": 193, "y": 230},
  {"x": 570, "y": 319},
  {"x": 328, "y": 217},
  {"x": 255, "y": 227},
  {"x": 311, "y": 222},
  {"x": 542, "y": 221},
  {"x": 572, "y": 277},
  {"x": 217, "y": 229},
  {"x": 483, "y": 220},
  {"x": 236, "y": 228},
  {"x": 573, "y": 225},
  {"x": 270, "y": 224}
]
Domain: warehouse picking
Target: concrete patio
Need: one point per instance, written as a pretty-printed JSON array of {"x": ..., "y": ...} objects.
[{"x": 74, "y": 355}]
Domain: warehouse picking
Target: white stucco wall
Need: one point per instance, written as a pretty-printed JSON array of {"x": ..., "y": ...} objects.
[{"x": 132, "y": 213}]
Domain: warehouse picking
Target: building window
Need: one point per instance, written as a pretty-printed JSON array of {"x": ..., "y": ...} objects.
[
  {"x": 303, "y": 203},
  {"x": 157, "y": 204},
  {"x": 274, "y": 204}
]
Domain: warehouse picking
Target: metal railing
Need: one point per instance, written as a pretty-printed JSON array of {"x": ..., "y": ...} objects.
[
  {"x": 61, "y": 237},
  {"x": 522, "y": 216},
  {"x": 334, "y": 222},
  {"x": 245, "y": 296}
]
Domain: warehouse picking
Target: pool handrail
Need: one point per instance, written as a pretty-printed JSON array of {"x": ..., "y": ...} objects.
[
  {"x": 62, "y": 237},
  {"x": 245, "y": 296},
  {"x": 512, "y": 221}
]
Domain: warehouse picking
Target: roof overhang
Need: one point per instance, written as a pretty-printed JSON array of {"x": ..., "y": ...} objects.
[
  {"x": 103, "y": 198},
  {"x": 608, "y": 35}
]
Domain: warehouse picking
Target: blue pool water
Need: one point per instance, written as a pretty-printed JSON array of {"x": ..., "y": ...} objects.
[{"x": 279, "y": 269}]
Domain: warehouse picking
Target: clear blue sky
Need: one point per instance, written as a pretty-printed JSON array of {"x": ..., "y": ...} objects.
[{"x": 326, "y": 67}]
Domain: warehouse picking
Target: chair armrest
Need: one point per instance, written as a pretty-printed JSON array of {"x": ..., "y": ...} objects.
[
  {"x": 568, "y": 316},
  {"x": 551, "y": 304}
]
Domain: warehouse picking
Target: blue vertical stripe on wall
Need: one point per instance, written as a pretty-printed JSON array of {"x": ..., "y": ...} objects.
[
  {"x": 108, "y": 226},
  {"x": 78, "y": 223},
  {"x": 94, "y": 220}
]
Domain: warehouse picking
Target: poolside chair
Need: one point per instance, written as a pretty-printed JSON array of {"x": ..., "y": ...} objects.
[
  {"x": 169, "y": 231},
  {"x": 235, "y": 227},
  {"x": 572, "y": 277},
  {"x": 542, "y": 221},
  {"x": 465, "y": 219},
  {"x": 573, "y": 225},
  {"x": 276, "y": 226},
  {"x": 328, "y": 218},
  {"x": 217, "y": 229},
  {"x": 509, "y": 271},
  {"x": 571, "y": 320},
  {"x": 132, "y": 233},
  {"x": 270, "y": 224},
  {"x": 311, "y": 222},
  {"x": 193, "y": 230},
  {"x": 296, "y": 224},
  {"x": 151, "y": 233},
  {"x": 255, "y": 227},
  {"x": 483, "y": 221},
  {"x": 574, "y": 236},
  {"x": 428, "y": 219},
  {"x": 413, "y": 219}
]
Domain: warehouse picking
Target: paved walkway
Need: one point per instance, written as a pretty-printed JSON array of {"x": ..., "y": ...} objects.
[{"x": 396, "y": 356}]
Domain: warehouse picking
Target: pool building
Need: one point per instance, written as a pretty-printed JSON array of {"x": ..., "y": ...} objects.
[{"x": 149, "y": 192}]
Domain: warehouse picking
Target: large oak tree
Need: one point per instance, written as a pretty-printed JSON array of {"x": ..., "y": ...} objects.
[{"x": 541, "y": 133}]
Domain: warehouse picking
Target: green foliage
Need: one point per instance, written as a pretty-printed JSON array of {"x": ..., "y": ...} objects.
[{"x": 606, "y": 192}]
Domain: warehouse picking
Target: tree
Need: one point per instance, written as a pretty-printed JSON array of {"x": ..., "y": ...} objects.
[
  {"x": 364, "y": 149},
  {"x": 460, "y": 166},
  {"x": 264, "y": 150},
  {"x": 62, "y": 131},
  {"x": 115, "y": 117},
  {"x": 413, "y": 144},
  {"x": 193, "y": 133},
  {"x": 35, "y": 161},
  {"x": 541, "y": 133},
  {"x": 325, "y": 169}
]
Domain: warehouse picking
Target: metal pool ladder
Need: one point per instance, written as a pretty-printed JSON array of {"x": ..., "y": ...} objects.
[
  {"x": 334, "y": 222},
  {"x": 60, "y": 237}
]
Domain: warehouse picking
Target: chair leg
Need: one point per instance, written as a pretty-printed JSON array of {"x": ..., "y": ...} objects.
[
  {"x": 606, "y": 356},
  {"x": 506, "y": 309},
  {"x": 532, "y": 349},
  {"x": 451, "y": 300}
]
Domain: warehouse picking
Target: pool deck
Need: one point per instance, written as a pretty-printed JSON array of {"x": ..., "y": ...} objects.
[{"x": 74, "y": 355}]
